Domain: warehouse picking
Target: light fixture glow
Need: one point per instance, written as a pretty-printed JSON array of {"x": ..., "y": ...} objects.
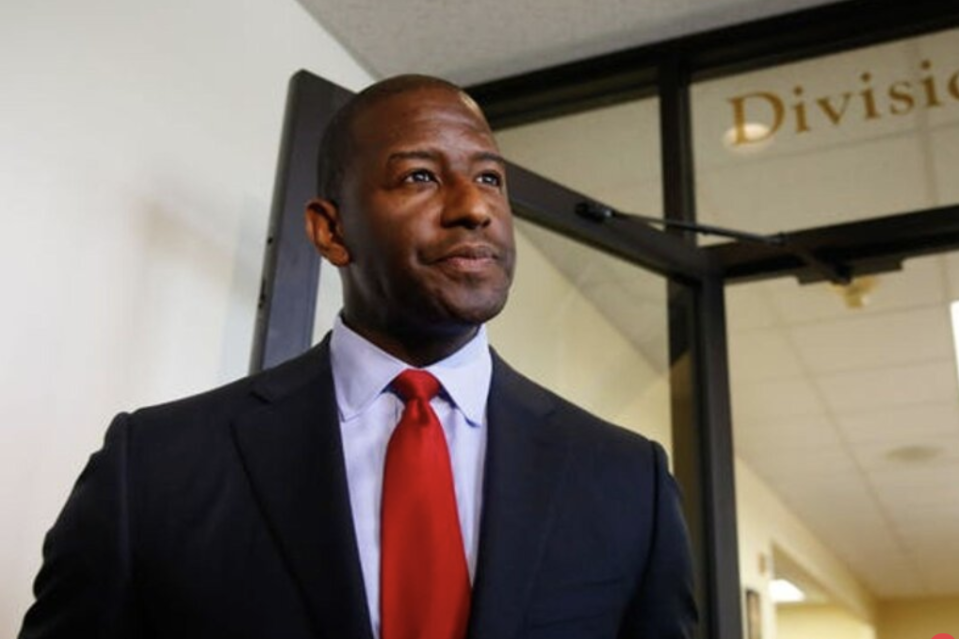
[
  {"x": 954, "y": 307},
  {"x": 785, "y": 591},
  {"x": 749, "y": 137}
]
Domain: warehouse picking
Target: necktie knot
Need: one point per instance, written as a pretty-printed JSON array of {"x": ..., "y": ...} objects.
[{"x": 416, "y": 384}]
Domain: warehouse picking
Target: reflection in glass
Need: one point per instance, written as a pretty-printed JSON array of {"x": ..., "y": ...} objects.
[
  {"x": 846, "y": 427},
  {"x": 845, "y": 137},
  {"x": 611, "y": 154}
]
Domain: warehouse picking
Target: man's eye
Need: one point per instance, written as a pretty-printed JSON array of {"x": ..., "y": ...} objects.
[
  {"x": 490, "y": 179},
  {"x": 420, "y": 175}
]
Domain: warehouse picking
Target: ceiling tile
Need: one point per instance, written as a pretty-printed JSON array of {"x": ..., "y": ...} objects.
[
  {"x": 918, "y": 478},
  {"x": 889, "y": 576},
  {"x": 889, "y": 387},
  {"x": 775, "y": 399},
  {"x": 874, "y": 340},
  {"x": 846, "y": 484},
  {"x": 761, "y": 354},
  {"x": 931, "y": 536},
  {"x": 880, "y": 455},
  {"x": 789, "y": 466},
  {"x": 747, "y": 308},
  {"x": 901, "y": 424},
  {"x": 787, "y": 434},
  {"x": 836, "y": 511}
]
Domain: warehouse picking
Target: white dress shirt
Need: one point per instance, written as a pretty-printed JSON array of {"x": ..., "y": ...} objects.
[{"x": 369, "y": 411}]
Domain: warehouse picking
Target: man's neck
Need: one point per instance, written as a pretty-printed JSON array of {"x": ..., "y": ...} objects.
[{"x": 418, "y": 349}]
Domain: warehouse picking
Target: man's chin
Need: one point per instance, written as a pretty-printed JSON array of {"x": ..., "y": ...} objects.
[{"x": 473, "y": 311}]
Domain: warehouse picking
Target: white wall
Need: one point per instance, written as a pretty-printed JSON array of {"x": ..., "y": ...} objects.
[{"x": 138, "y": 145}]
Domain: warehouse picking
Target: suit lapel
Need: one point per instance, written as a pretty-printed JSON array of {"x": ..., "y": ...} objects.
[
  {"x": 523, "y": 479},
  {"x": 293, "y": 454}
]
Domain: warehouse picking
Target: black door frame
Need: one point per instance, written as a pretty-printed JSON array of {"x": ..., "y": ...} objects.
[{"x": 291, "y": 266}]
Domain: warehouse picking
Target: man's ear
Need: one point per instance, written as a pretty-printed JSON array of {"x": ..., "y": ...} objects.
[{"x": 325, "y": 231}]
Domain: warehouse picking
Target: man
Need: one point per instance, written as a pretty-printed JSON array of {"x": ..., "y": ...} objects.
[{"x": 285, "y": 505}]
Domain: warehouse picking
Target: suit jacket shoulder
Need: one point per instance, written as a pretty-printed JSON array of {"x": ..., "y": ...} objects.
[
  {"x": 221, "y": 514},
  {"x": 309, "y": 370}
]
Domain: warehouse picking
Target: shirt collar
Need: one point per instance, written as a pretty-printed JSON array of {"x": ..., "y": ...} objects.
[{"x": 362, "y": 371}]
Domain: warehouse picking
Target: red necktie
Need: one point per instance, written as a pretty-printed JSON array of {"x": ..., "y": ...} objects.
[{"x": 424, "y": 581}]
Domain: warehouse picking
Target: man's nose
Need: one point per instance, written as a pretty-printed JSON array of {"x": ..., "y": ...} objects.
[{"x": 467, "y": 204}]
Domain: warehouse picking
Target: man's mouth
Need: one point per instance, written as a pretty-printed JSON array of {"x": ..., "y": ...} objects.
[{"x": 468, "y": 257}]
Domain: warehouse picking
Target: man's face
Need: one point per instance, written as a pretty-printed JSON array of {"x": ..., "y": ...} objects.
[{"x": 424, "y": 217}]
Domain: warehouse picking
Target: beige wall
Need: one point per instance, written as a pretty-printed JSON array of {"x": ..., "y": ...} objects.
[
  {"x": 918, "y": 618},
  {"x": 764, "y": 521},
  {"x": 138, "y": 146},
  {"x": 820, "y": 622},
  {"x": 896, "y": 619}
]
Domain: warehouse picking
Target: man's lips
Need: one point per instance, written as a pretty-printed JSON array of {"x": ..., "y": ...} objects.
[{"x": 468, "y": 257}]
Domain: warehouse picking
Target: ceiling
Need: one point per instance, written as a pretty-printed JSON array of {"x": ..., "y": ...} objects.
[{"x": 471, "y": 42}]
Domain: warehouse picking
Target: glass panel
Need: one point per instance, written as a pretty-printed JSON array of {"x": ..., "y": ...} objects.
[
  {"x": 844, "y": 137},
  {"x": 590, "y": 327},
  {"x": 846, "y": 427},
  {"x": 611, "y": 154}
]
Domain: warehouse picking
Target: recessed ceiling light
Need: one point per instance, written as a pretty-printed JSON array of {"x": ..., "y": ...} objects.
[
  {"x": 757, "y": 137},
  {"x": 785, "y": 591},
  {"x": 913, "y": 454}
]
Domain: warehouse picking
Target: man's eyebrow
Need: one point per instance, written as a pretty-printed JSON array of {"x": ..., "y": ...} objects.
[
  {"x": 434, "y": 156},
  {"x": 415, "y": 154}
]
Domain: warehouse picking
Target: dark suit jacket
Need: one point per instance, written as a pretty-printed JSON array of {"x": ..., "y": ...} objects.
[{"x": 227, "y": 515}]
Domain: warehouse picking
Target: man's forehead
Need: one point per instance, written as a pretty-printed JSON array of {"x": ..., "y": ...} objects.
[{"x": 427, "y": 112}]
